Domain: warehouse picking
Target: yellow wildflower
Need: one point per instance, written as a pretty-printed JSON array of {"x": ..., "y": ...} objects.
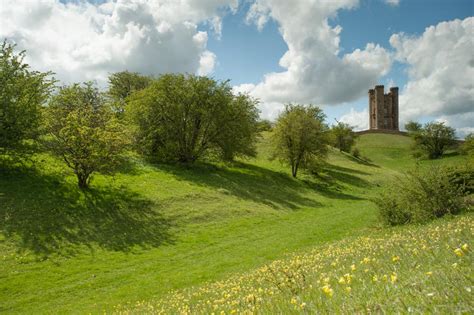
[
  {"x": 395, "y": 258},
  {"x": 465, "y": 247},
  {"x": 366, "y": 260},
  {"x": 429, "y": 273},
  {"x": 353, "y": 267},
  {"x": 342, "y": 280},
  {"x": 393, "y": 277},
  {"x": 327, "y": 290},
  {"x": 375, "y": 278},
  {"x": 458, "y": 252},
  {"x": 293, "y": 300},
  {"x": 348, "y": 289},
  {"x": 303, "y": 305}
]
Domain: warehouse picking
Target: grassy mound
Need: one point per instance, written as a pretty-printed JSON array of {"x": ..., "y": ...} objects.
[
  {"x": 155, "y": 228},
  {"x": 425, "y": 269}
]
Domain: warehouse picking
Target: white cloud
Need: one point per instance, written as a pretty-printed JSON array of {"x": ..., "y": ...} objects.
[
  {"x": 315, "y": 73},
  {"x": 393, "y": 3},
  {"x": 441, "y": 73},
  {"x": 358, "y": 120},
  {"x": 82, "y": 41}
]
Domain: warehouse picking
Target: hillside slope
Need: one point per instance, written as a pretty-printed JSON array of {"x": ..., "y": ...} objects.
[{"x": 154, "y": 228}]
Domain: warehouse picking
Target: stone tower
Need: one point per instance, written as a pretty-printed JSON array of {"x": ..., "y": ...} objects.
[{"x": 383, "y": 108}]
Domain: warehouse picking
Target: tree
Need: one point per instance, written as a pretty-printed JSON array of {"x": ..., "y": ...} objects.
[
  {"x": 237, "y": 137},
  {"x": 122, "y": 85},
  {"x": 413, "y": 126},
  {"x": 22, "y": 93},
  {"x": 84, "y": 132},
  {"x": 433, "y": 138},
  {"x": 300, "y": 136},
  {"x": 343, "y": 136},
  {"x": 185, "y": 117},
  {"x": 468, "y": 146}
]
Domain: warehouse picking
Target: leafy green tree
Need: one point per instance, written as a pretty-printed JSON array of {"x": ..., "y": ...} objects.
[
  {"x": 84, "y": 132},
  {"x": 22, "y": 93},
  {"x": 433, "y": 138},
  {"x": 413, "y": 126},
  {"x": 185, "y": 117},
  {"x": 238, "y": 134},
  {"x": 122, "y": 85},
  {"x": 343, "y": 136},
  {"x": 468, "y": 146},
  {"x": 301, "y": 137},
  {"x": 264, "y": 125}
]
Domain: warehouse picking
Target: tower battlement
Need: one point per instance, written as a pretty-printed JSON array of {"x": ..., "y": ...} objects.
[{"x": 383, "y": 108}]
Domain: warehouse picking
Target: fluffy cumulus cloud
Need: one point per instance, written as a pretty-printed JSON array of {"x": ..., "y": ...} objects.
[
  {"x": 85, "y": 41},
  {"x": 441, "y": 73},
  {"x": 315, "y": 71},
  {"x": 356, "y": 119}
]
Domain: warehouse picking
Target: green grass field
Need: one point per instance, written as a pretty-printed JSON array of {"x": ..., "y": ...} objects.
[{"x": 155, "y": 228}]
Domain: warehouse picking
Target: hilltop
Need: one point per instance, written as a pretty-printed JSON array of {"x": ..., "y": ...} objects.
[{"x": 153, "y": 228}]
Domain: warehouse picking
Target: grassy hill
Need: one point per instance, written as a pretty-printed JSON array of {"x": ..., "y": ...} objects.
[{"x": 155, "y": 228}]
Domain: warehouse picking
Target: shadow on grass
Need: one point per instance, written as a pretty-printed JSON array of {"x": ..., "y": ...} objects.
[
  {"x": 332, "y": 178},
  {"x": 45, "y": 215},
  {"x": 262, "y": 185},
  {"x": 245, "y": 181}
]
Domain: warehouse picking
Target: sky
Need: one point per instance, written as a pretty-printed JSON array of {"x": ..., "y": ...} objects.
[{"x": 323, "y": 52}]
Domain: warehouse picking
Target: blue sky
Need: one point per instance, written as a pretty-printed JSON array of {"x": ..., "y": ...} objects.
[
  {"x": 325, "y": 52},
  {"x": 245, "y": 54}
]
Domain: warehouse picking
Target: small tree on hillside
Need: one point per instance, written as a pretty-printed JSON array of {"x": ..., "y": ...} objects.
[
  {"x": 433, "y": 138},
  {"x": 22, "y": 92},
  {"x": 413, "y": 126},
  {"x": 83, "y": 131},
  {"x": 300, "y": 136},
  {"x": 468, "y": 146},
  {"x": 185, "y": 117},
  {"x": 122, "y": 85},
  {"x": 343, "y": 136}
]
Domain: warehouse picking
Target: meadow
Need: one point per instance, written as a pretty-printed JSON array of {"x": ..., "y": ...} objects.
[{"x": 156, "y": 228}]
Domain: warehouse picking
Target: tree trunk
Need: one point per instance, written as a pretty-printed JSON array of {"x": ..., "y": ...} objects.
[{"x": 82, "y": 181}]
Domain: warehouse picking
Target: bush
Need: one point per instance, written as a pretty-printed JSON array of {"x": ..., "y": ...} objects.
[
  {"x": 83, "y": 131},
  {"x": 343, "y": 137},
  {"x": 356, "y": 153},
  {"x": 421, "y": 196},
  {"x": 183, "y": 118},
  {"x": 301, "y": 137},
  {"x": 22, "y": 93},
  {"x": 433, "y": 139}
]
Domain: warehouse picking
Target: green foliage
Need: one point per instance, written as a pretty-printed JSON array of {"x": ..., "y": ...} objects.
[
  {"x": 83, "y": 132},
  {"x": 423, "y": 195},
  {"x": 413, "y": 126},
  {"x": 356, "y": 153},
  {"x": 343, "y": 136},
  {"x": 432, "y": 139},
  {"x": 22, "y": 92},
  {"x": 122, "y": 85},
  {"x": 300, "y": 136},
  {"x": 185, "y": 117},
  {"x": 468, "y": 146},
  {"x": 264, "y": 125}
]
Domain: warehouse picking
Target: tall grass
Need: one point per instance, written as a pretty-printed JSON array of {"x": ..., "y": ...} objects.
[{"x": 421, "y": 269}]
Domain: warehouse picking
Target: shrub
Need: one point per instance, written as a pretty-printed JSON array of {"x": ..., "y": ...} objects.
[
  {"x": 300, "y": 137},
  {"x": 183, "y": 118},
  {"x": 356, "y": 153},
  {"x": 83, "y": 131},
  {"x": 432, "y": 139},
  {"x": 343, "y": 136},
  {"x": 420, "y": 196},
  {"x": 467, "y": 147},
  {"x": 22, "y": 93}
]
